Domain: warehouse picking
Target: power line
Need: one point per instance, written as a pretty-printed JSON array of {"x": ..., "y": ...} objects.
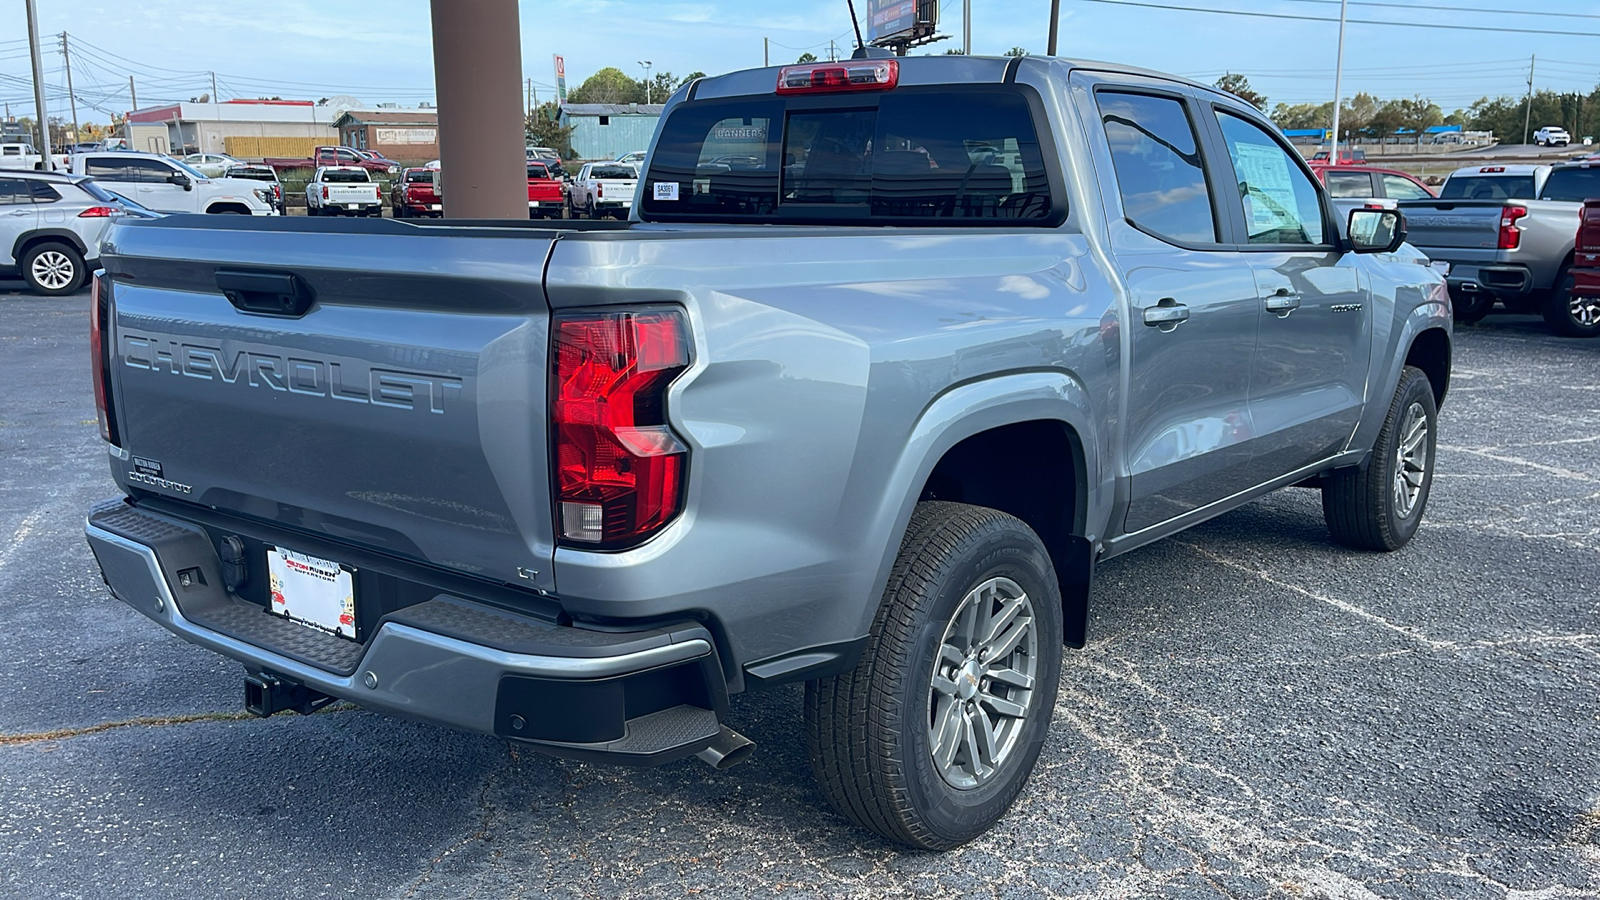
[
  {"x": 1498, "y": 29},
  {"x": 1462, "y": 9}
]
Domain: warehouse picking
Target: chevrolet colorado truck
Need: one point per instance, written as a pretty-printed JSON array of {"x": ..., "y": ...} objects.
[
  {"x": 1507, "y": 234},
  {"x": 342, "y": 190},
  {"x": 864, "y": 414}
]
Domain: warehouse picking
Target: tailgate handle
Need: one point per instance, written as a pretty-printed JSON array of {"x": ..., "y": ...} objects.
[{"x": 269, "y": 293}]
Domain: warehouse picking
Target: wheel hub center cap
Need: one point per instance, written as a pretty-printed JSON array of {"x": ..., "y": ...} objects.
[{"x": 967, "y": 679}]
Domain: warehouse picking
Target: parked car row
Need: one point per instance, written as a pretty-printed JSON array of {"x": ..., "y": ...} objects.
[{"x": 1508, "y": 234}]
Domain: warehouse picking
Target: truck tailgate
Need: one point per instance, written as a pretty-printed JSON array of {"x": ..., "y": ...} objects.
[
  {"x": 403, "y": 411},
  {"x": 1453, "y": 224},
  {"x": 352, "y": 193}
]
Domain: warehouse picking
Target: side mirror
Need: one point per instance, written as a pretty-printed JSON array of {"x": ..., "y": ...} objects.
[
  {"x": 1376, "y": 230},
  {"x": 181, "y": 180}
]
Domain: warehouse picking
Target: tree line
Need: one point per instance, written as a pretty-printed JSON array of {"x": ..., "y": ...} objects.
[{"x": 1371, "y": 116}]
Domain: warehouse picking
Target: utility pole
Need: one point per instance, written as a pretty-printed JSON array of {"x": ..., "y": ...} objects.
[
  {"x": 530, "y": 98},
  {"x": 1527, "y": 114},
  {"x": 766, "y": 53},
  {"x": 214, "y": 97},
  {"x": 646, "y": 64},
  {"x": 38, "y": 87},
  {"x": 71, "y": 97},
  {"x": 1338, "y": 87},
  {"x": 127, "y": 120},
  {"x": 966, "y": 27},
  {"x": 1055, "y": 21},
  {"x": 833, "y": 55}
]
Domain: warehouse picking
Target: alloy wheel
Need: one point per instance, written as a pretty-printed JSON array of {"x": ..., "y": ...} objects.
[
  {"x": 1411, "y": 460},
  {"x": 1585, "y": 310},
  {"x": 53, "y": 270},
  {"x": 983, "y": 683}
]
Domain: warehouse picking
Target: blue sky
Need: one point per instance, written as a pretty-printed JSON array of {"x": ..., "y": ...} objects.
[{"x": 381, "y": 50}]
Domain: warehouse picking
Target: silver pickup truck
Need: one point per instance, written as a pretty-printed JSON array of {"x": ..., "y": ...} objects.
[
  {"x": 1507, "y": 233},
  {"x": 864, "y": 414}
]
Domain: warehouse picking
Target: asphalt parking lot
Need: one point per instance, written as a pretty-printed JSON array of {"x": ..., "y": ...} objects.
[{"x": 1259, "y": 714}]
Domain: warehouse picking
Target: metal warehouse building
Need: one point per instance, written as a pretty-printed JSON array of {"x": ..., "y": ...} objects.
[
  {"x": 243, "y": 128},
  {"x": 609, "y": 130}
]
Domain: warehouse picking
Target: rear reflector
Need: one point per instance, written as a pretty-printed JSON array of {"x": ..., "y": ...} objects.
[
  {"x": 835, "y": 77},
  {"x": 619, "y": 469}
]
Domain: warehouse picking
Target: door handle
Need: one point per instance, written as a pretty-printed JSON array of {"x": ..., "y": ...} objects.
[
  {"x": 1283, "y": 302},
  {"x": 23, "y": 212},
  {"x": 1166, "y": 315}
]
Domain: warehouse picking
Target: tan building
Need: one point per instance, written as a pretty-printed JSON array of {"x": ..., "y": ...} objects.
[
  {"x": 242, "y": 128},
  {"x": 404, "y": 135}
]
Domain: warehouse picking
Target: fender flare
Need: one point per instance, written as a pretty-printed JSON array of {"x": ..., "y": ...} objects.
[
  {"x": 972, "y": 408},
  {"x": 29, "y": 238},
  {"x": 1433, "y": 314}
]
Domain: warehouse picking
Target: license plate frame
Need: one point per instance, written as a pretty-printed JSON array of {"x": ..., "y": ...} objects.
[{"x": 311, "y": 591}]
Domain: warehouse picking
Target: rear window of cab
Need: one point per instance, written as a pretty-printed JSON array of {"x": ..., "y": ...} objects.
[{"x": 950, "y": 156}]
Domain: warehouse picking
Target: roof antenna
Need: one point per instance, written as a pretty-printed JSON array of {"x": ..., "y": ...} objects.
[
  {"x": 861, "y": 46},
  {"x": 862, "y": 51}
]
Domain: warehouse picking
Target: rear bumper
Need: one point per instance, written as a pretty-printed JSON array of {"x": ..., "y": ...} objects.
[
  {"x": 632, "y": 697},
  {"x": 1503, "y": 281},
  {"x": 1586, "y": 282}
]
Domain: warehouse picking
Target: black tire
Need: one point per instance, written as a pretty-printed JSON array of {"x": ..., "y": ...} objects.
[
  {"x": 1565, "y": 315},
  {"x": 1469, "y": 309},
  {"x": 868, "y": 730},
  {"x": 1361, "y": 505},
  {"x": 62, "y": 270}
]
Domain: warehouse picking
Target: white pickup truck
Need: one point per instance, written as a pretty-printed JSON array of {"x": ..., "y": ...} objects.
[
  {"x": 17, "y": 155},
  {"x": 603, "y": 189},
  {"x": 341, "y": 190}
]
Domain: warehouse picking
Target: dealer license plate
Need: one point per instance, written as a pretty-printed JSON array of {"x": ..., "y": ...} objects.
[
  {"x": 315, "y": 592},
  {"x": 352, "y": 206},
  {"x": 434, "y": 206}
]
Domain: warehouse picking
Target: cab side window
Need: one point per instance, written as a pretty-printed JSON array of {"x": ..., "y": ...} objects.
[
  {"x": 110, "y": 169},
  {"x": 13, "y": 191},
  {"x": 1280, "y": 202},
  {"x": 1160, "y": 173},
  {"x": 1397, "y": 188}
]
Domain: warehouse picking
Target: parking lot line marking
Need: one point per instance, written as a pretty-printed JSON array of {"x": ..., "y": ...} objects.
[
  {"x": 60, "y": 734},
  {"x": 20, "y": 535},
  {"x": 1342, "y": 605},
  {"x": 1557, "y": 471}
]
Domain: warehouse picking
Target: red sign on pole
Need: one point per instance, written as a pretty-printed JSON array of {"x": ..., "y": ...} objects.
[{"x": 561, "y": 79}]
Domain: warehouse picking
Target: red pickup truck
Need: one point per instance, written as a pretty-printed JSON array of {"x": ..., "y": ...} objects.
[
  {"x": 413, "y": 195},
  {"x": 336, "y": 156},
  {"x": 1585, "y": 297},
  {"x": 547, "y": 195}
]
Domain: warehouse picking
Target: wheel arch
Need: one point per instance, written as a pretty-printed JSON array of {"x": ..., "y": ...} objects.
[
  {"x": 228, "y": 206},
  {"x": 30, "y": 239},
  {"x": 1430, "y": 351},
  {"x": 971, "y": 444}
]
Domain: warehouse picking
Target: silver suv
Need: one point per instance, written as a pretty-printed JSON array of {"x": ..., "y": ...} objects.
[{"x": 50, "y": 228}]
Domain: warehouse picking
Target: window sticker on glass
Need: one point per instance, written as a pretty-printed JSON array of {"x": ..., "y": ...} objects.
[
  {"x": 1264, "y": 181},
  {"x": 666, "y": 190}
]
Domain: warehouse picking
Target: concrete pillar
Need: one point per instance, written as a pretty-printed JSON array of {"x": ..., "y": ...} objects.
[{"x": 477, "y": 69}]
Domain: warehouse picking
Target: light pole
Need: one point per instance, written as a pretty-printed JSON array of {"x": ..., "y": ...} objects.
[
  {"x": 646, "y": 64},
  {"x": 38, "y": 87},
  {"x": 1338, "y": 75}
]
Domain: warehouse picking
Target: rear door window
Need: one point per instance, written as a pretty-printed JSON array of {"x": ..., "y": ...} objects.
[
  {"x": 14, "y": 191},
  {"x": 1349, "y": 184},
  {"x": 918, "y": 157},
  {"x": 1574, "y": 185},
  {"x": 1160, "y": 174}
]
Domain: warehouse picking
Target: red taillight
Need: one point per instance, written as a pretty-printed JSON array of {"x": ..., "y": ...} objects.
[
  {"x": 324, "y": 192},
  {"x": 619, "y": 469},
  {"x": 1492, "y": 169},
  {"x": 99, "y": 212},
  {"x": 100, "y": 352},
  {"x": 600, "y": 190},
  {"x": 864, "y": 75},
  {"x": 1510, "y": 231}
]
